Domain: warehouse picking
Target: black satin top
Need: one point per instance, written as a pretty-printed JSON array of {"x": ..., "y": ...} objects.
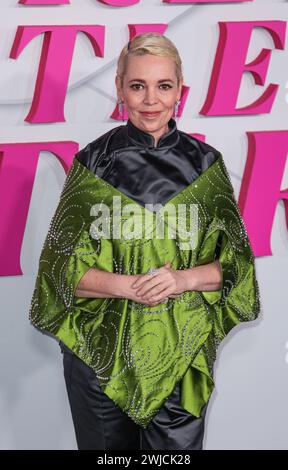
[{"x": 127, "y": 158}]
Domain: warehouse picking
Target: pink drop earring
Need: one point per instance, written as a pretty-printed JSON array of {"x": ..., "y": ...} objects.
[
  {"x": 176, "y": 108},
  {"x": 121, "y": 110}
]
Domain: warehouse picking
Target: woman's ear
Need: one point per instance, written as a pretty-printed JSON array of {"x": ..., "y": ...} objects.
[{"x": 118, "y": 86}]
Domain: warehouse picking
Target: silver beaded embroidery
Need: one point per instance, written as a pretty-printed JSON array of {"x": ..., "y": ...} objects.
[{"x": 143, "y": 353}]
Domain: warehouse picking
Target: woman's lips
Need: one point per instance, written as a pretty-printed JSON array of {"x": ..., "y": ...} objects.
[{"x": 151, "y": 114}]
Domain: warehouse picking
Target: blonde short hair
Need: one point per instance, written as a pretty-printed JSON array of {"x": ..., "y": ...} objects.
[{"x": 149, "y": 43}]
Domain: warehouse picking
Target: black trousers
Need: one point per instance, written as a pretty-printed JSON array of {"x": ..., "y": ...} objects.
[{"x": 101, "y": 425}]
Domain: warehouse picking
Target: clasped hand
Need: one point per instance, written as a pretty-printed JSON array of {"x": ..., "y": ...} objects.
[{"x": 152, "y": 289}]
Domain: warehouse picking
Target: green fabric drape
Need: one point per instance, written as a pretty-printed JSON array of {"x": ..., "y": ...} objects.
[{"x": 138, "y": 352}]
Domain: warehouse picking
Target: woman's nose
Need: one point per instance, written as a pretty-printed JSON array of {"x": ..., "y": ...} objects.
[{"x": 151, "y": 96}]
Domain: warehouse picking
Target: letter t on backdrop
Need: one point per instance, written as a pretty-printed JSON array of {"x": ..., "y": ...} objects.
[{"x": 55, "y": 64}]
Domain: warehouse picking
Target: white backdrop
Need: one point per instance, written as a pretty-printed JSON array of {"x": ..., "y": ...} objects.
[{"x": 248, "y": 407}]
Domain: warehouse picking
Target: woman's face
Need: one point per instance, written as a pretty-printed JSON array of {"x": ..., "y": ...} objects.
[{"x": 150, "y": 85}]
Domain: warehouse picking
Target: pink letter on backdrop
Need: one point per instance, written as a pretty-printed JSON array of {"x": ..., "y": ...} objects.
[
  {"x": 55, "y": 64},
  {"x": 119, "y": 3},
  {"x": 229, "y": 66},
  {"x": 201, "y": 137},
  {"x": 124, "y": 3},
  {"x": 18, "y": 163},
  {"x": 260, "y": 189},
  {"x": 206, "y": 1},
  {"x": 44, "y": 2},
  {"x": 135, "y": 29}
]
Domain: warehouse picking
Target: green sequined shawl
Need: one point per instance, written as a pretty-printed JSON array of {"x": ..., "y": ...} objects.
[{"x": 138, "y": 352}]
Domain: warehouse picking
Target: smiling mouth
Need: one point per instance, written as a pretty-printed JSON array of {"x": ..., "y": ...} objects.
[{"x": 149, "y": 112}]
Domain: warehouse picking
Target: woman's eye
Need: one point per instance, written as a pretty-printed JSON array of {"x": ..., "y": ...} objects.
[
  {"x": 139, "y": 85},
  {"x": 167, "y": 85},
  {"x": 135, "y": 85}
]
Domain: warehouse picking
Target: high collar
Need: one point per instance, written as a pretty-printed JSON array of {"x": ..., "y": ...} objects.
[{"x": 144, "y": 139}]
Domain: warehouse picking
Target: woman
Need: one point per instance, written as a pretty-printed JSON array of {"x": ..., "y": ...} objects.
[{"x": 140, "y": 317}]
